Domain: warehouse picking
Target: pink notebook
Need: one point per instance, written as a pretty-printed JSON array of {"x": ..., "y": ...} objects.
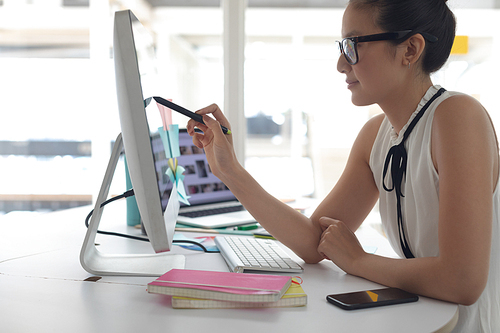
[{"x": 240, "y": 287}]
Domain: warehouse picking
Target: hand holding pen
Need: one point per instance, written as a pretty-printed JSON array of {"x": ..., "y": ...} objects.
[
  {"x": 218, "y": 147},
  {"x": 186, "y": 112}
]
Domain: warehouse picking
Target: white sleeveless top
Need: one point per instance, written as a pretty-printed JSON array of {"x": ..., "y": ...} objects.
[{"x": 420, "y": 206}]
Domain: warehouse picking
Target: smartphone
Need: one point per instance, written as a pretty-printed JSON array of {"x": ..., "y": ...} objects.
[{"x": 371, "y": 298}]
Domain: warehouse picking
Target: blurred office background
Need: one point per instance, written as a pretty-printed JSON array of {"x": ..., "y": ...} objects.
[{"x": 59, "y": 113}]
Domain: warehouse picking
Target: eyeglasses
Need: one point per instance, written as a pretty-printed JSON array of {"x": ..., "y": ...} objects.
[{"x": 348, "y": 46}]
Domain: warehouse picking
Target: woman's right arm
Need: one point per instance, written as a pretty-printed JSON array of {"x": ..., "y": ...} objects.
[
  {"x": 293, "y": 229},
  {"x": 351, "y": 199}
]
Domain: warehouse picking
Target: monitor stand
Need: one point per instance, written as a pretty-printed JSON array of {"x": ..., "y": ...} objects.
[{"x": 98, "y": 263}]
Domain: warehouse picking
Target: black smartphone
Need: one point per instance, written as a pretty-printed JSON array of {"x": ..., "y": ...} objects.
[{"x": 371, "y": 298}]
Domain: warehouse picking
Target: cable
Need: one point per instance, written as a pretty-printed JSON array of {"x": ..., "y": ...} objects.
[{"x": 127, "y": 194}]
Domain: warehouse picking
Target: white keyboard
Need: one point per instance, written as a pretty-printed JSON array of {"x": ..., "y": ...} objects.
[{"x": 245, "y": 254}]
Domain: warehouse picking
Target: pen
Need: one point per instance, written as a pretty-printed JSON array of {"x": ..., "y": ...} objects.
[
  {"x": 264, "y": 235},
  {"x": 186, "y": 112},
  {"x": 247, "y": 227}
]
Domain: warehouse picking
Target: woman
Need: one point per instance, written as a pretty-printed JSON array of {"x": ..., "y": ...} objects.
[{"x": 431, "y": 159}]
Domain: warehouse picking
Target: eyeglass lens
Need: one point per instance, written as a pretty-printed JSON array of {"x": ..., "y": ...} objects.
[{"x": 349, "y": 48}]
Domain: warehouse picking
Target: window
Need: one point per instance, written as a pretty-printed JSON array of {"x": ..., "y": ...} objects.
[{"x": 60, "y": 116}]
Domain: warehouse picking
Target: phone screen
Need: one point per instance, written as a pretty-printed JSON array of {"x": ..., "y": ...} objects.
[{"x": 371, "y": 298}]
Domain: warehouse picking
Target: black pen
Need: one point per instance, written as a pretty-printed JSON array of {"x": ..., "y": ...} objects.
[{"x": 186, "y": 112}]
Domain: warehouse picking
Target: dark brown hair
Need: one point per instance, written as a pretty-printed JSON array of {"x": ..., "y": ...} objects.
[{"x": 430, "y": 16}]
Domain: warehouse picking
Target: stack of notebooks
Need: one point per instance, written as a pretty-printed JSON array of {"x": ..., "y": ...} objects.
[{"x": 192, "y": 289}]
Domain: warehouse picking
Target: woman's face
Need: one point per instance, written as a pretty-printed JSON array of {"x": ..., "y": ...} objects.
[{"x": 374, "y": 77}]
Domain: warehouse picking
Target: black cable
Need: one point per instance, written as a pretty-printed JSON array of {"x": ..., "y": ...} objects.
[{"x": 127, "y": 194}]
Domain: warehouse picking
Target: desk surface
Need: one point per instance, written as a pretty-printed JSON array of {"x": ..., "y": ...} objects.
[{"x": 42, "y": 288}]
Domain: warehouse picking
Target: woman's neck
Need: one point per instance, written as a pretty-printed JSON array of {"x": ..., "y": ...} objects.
[{"x": 403, "y": 102}]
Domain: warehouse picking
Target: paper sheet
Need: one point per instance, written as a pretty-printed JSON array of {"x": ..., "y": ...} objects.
[
  {"x": 178, "y": 180},
  {"x": 171, "y": 213},
  {"x": 170, "y": 140},
  {"x": 208, "y": 242},
  {"x": 166, "y": 115},
  {"x": 169, "y": 134}
]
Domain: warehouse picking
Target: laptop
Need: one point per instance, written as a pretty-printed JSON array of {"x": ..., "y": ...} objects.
[{"x": 212, "y": 204}]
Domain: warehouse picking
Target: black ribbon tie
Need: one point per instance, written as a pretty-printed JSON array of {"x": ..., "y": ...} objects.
[{"x": 397, "y": 157}]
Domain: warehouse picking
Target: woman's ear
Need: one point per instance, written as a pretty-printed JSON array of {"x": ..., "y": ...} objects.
[{"x": 414, "y": 47}]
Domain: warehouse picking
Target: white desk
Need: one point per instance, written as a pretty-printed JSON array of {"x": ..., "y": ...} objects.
[{"x": 42, "y": 289}]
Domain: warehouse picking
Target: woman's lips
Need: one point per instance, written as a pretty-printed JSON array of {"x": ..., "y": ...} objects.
[{"x": 350, "y": 84}]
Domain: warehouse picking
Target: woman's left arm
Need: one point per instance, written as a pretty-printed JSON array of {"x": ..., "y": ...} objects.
[{"x": 465, "y": 154}]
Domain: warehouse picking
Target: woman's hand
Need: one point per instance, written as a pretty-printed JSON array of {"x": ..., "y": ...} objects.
[
  {"x": 339, "y": 244},
  {"x": 218, "y": 146}
]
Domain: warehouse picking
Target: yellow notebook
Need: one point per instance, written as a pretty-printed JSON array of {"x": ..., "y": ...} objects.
[{"x": 294, "y": 296}]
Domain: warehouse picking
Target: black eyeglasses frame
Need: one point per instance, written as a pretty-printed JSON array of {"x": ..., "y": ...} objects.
[{"x": 380, "y": 37}]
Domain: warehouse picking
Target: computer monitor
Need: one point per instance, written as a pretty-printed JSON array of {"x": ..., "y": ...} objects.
[
  {"x": 135, "y": 75},
  {"x": 133, "y": 50}
]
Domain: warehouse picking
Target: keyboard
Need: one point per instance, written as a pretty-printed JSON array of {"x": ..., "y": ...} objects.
[
  {"x": 212, "y": 211},
  {"x": 245, "y": 254}
]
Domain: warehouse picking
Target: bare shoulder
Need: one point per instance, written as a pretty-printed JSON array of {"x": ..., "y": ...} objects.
[
  {"x": 370, "y": 130},
  {"x": 364, "y": 142},
  {"x": 461, "y": 110},
  {"x": 373, "y": 124},
  {"x": 462, "y": 117},
  {"x": 462, "y": 126}
]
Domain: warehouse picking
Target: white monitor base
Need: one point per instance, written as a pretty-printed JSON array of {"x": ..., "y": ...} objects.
[{"x": 99, "y": 263}]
